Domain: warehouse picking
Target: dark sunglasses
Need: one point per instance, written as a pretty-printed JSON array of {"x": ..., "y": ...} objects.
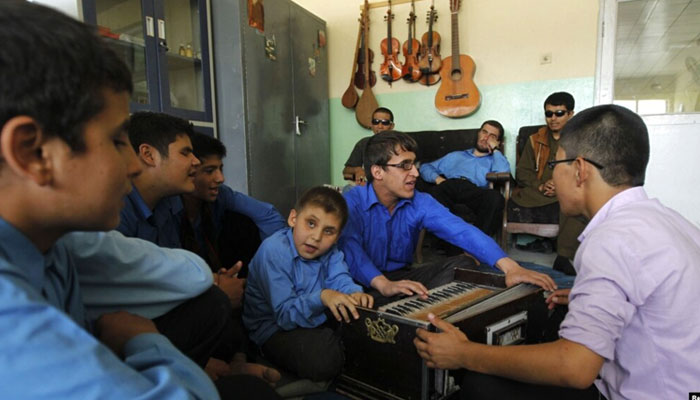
[
  {"x": 405, "y": 165},
  {"x": 558, "y": 113},
  {"x": 551, "y": 164},
  {"x": 385, "y": 122}
]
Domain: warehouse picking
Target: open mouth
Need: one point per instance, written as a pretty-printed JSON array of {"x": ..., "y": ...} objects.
[{"x": 310, "y": 248}]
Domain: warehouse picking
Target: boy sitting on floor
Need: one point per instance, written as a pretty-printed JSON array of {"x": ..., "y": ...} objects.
[{"x": 295, "y": 275}]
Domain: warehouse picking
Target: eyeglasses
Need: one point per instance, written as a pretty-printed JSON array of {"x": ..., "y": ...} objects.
[
  {"x": 405, "y": 165},
  {"x": 385, "y": 122},
  {"x": 551, "y": 164},
  {"x": 558, "y": 113}
]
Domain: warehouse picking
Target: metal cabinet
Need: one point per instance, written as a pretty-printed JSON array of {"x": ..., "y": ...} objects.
[{"x": 165, "y": 43}]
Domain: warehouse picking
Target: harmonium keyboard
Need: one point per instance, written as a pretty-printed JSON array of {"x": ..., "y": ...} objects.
[{"x": 381, "y": 361}]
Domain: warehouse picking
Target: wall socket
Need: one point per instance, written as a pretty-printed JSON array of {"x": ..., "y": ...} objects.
[{"x": 546, "y": 58}]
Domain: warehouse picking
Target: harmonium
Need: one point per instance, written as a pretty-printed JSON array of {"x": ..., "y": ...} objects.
[{"x": 381, "y": 361}]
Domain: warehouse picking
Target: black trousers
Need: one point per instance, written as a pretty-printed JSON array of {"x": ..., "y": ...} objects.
[
  {"x": 476, "y": 386},
  {"x": 315, "y": 353},
  {"x": 236, "y": 387},
  {"x": 485, "y": 205}
]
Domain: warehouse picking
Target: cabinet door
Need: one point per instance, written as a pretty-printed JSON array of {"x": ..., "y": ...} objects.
[
  {"x": 128, "y": 27},
  {"x": 310, "y": 72},
  {"x": 183, "y": 58}
]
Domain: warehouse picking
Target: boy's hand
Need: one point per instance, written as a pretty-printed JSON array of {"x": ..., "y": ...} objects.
[
  {"x": 339, "y": 304},
  {"x": 116, "y": 328},
  {"x": 363, "y": 299},
  {"x": 560, "y": 296},
  {"x": 228, "y": 281}
]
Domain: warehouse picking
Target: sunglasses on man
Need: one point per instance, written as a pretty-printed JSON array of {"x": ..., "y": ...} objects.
[
  {"x": 558, "y": 113},
  {"x": 385, "y": 122}
]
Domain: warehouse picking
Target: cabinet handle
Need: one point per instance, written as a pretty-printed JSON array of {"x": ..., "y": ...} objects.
[
  {"x": 163, "y": 45},
  {"x": 297, "y": 122},
  {"x": 149, "y": 26}
]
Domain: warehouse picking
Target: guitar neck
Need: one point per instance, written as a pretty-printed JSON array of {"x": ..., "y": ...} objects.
[{"x": 455, "y": 41}]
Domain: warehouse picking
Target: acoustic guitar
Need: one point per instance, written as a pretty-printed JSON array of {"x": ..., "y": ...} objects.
[{"x": 457, "y": 96}]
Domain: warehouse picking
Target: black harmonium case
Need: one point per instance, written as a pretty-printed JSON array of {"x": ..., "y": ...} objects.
[{"x": 381, "y": 361}]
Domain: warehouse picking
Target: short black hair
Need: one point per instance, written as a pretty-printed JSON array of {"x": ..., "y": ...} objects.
[
  {"x": 330, "y": 200},
  {"x": 612, "y": 136},
  {"x": 204, "y": 146},
  {"x": 54, "y": 69},
  {"x": 382, "y": 146},
  {"x": 157, "y": 130},
  {"x": 384, "y": 110},
  {"x": 561, "y": 99},
  {"x": 495, "y": 124}
]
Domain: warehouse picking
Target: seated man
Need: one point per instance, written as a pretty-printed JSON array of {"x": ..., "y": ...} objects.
[
  {"x": 386, "y": 217},
  {"x": 535, "y": 199},
  {"x": 220, "y": 224},
  {"x": 460, "y": 178},
  {"x": 66, "y": 165},
  {"x": 382, "y": 120},
  {"x": 631, "y": 328}
]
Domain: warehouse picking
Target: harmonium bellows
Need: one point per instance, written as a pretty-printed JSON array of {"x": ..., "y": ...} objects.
[{"x": 381, "y": 359}]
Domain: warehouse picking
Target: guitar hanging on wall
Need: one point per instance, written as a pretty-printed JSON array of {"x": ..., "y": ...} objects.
[
  {"x": 367, "y": 103},
  {"x": 457, "y": 96}
]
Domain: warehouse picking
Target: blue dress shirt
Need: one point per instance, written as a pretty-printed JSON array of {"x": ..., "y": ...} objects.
[
  {"x": 464, "y": 164},
  {"x": 375, "y": 241},
  {"x": 46, "y": 351},
  {"x": 283, "y": 290}
]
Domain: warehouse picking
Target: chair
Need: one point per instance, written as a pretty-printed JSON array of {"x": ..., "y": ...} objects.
[{"x": 547, "y": 230}]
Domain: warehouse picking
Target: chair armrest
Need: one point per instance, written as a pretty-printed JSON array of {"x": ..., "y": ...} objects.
[{"x": 498, "y": 176}]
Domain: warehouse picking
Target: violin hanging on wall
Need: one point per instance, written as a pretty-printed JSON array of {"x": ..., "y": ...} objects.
[
  {"x": 411, "y": 49},
  {"x": 391, "y": 67},
  {"x": 457, "y": 96},
  {"x": 429, "y": 59},
  {"x": 365, "y": 56}
]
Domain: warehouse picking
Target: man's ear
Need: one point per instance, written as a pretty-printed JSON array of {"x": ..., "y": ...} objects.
[
  {"x": 377, "y": 172},
  {"x": 148, "y": 154},
  {"x": 582, "y": 171},
  {"x": 292, "y": 220},
  {"x": 21, "y": 141}
]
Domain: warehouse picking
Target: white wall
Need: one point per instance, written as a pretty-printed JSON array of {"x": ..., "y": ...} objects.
[{"x": 70, "y": 7}]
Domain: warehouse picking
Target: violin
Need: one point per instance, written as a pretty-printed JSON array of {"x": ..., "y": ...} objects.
[
  {"x": 429, "y": 60},
  {"x": 391, "y": 67},
  {"x": 411, "y": 48},
  {"x": 368, "y": 103},
  {"x": 365, "y": 53}
]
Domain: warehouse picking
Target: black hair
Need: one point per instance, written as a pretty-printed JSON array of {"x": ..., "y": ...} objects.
[
  {"x": 612, "y": 136},
  {"x": 561, "y": 99},
  {"x": 204, "y": 146},
  {"x": 54, "y": 69},
  {"x": 384, "y": 110},
  {"x": 384, "y": 145},
  {"x": 157, "y": 130},
  {"x": 330, "y": 200},
  {"x": 495, "y": 124}
]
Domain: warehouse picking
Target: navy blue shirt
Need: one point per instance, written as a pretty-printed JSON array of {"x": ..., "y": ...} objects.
[{"x": 375, "y": 241}]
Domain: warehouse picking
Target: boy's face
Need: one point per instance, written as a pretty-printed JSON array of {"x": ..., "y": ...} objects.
[
  {"x": 398, "y": 182},
  {"x": 209, "y": 178},
  {"x": 314, "y": 231},
  {"x": 93, "y": 183},
  {"x": 180, "y": 166}
]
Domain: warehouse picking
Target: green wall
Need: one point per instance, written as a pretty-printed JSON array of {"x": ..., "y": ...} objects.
[{"x": 513, "y": 105}]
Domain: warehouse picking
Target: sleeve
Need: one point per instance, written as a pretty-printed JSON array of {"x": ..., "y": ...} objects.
[
  {"x": 265, "y": 215},
  {"x": 500, "y": 162},
  {"x": 430, "y": 171},
  {"x": 339, "y": 278},
  {"x": 52, "y": 357},
  {"x": 355, "y": 159},
  {"x": 447, "y": 226},
  {"x": 361, "y": 267},
  {"x": 121, "y": 273},
  {"x": 525, "y": 170},
  {"x": 291, "y": 308}
]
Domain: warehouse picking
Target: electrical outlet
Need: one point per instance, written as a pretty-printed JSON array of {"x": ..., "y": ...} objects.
[{"x": 546, "y": 58}]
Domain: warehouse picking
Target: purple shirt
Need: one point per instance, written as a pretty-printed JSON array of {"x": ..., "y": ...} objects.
[{"x": 635, "y": 298}]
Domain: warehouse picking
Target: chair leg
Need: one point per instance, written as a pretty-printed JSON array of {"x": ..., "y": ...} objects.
[{"x": 419, "y": 247}]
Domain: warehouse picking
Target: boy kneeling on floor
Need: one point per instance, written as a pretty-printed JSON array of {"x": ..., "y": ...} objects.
[{"x": 296, "y": 274}]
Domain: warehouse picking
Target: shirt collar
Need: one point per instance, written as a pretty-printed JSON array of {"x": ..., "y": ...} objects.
[
  {"x": 295, "y": 253},
  {"x": 139, "y": 203},
  {"x": 627, "y": 196},
  {"x": 371, "y": 198},
  {"x": 19, "y": 251}
]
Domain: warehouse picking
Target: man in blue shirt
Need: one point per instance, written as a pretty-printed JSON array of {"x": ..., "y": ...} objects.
[
  {"x": 460, "y": 178},
  {"x": 387, "y": 215},
  {"x": 65, "y": 165}
]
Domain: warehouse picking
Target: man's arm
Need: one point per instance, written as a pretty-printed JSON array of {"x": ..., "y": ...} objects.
[
  {"x": 525, "y": 170},
  {"x": 265, "y": 215},
  {"x": 120, "y": 273},
  {"x": 430, "y": 172},
  {"x": 500, "y": 162}
]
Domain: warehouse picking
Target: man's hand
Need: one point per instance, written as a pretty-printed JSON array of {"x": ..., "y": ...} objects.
[
  {"x": 363, "y": 299},
  {"x": 444, "y": 349},
  {"x": 548, "y": 188},
  {"x": 228, "y": 281},
  {"x": 391, "y": 288},
  {"x": 339, "y": 304},
  {"x": 516, "y": 274},
  {"x": 439, "y": 180},
  {"x": 360, "y": 178},
  {"x": 560, "y": 297},
  {"x": 116, "y": 328},
  {"x": 492, "y": 144}
]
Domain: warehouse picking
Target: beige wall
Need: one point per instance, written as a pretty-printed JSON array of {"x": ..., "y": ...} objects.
[{"x": 506, "y": 38}]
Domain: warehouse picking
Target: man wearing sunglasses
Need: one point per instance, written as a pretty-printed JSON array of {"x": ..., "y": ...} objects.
[
  {"x": 382, "y": 120},
  {"x": 535, "y": 199}
]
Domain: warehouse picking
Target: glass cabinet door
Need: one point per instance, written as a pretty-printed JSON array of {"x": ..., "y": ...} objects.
[
  {"x": 184, "y": 69},
  {"x": 122, "y": 24}
]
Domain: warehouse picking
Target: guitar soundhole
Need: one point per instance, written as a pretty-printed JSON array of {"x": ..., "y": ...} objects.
[{"x": 456, "y": 74}]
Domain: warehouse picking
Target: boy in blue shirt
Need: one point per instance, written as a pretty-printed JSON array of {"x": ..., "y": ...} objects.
[{"x": 296, "y": 274}]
